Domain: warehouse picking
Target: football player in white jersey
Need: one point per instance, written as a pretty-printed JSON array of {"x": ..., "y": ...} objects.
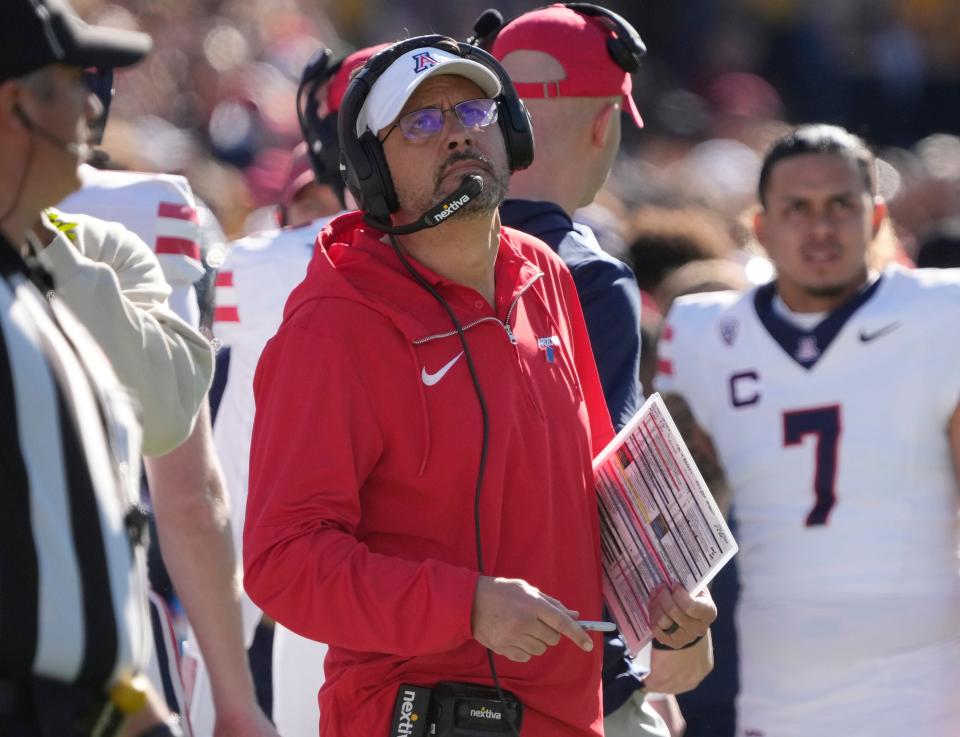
[
  {"x": 829, "y": 398},
  {"x": 188, "y": 495},
  {"x": 257, "y": 275},
  {"x": 253, "y": 283}
]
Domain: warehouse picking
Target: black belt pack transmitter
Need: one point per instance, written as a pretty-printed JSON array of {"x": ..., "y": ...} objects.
[{"x": 452, "y": 709}]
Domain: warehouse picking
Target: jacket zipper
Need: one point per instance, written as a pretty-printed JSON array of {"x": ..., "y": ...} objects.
[{"x": 505, "y": 324}]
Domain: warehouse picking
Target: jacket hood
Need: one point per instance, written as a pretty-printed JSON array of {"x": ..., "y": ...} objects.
[{"x": 355, "y": 262}]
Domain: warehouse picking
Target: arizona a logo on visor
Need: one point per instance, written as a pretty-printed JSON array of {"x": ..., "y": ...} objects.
[{"x": 423, "y": 61}]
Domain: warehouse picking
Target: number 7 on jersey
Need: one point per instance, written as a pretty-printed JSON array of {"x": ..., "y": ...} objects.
[{"x": 823, "y": 423}]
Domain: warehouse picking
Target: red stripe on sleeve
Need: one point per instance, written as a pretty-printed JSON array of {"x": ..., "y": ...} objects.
[
  {"x": 224, "y": 279},
  {"x": 177, "y": 247},
  {"x": 667, "y": 333},
  {"x": 665, "y": 367},
  {"x": 226, "y": 314},
  {"x": 178, "y": 211}
]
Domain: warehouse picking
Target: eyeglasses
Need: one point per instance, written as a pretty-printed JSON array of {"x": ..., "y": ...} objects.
[{"x": 420, "y": 125}]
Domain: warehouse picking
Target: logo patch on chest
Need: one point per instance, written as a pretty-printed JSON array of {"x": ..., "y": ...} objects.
[
  {"x": 549, "y": 346},
  {"x": 807, "y": 349},
  {"x": 729, "y": 328}
]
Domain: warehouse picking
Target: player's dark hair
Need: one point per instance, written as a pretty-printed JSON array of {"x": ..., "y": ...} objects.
[{"x": 819, "y": 139}]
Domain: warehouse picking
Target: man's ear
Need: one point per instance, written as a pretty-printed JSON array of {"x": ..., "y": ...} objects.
[
  {"x": 602, "y": 122},
  {"x": 879, "y": 214}
]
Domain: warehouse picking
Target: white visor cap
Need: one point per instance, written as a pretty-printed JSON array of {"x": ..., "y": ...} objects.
[{"x": 395, "y": 86}]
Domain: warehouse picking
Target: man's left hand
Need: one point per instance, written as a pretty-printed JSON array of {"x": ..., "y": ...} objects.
[
  {"x": 679, "y": 671},
  {"x": 678, "y": 618}
]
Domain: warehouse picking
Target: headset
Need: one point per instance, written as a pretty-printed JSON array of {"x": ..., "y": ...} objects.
[
  {"x": 100, "y": 82},
  {"x": 626, "y": 48},
  {"x": 320, "y": 133},
  {"x": 362, "y": 161}
]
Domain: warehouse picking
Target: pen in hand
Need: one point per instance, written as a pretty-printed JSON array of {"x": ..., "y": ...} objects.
[{"x": 597, "y": 626}]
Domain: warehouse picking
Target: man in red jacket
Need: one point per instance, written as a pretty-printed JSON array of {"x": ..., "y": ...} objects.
[{"x": 421, "y": 491}]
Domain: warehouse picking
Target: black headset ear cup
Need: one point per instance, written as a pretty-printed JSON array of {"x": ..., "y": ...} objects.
[
  {"x": 325, "y": 155},
  {"x": 518, "y": 133},
  {"x": 356, "y": 165},
  {"x": 320, "y": 133},
  {"x": 378, "y": 193}
]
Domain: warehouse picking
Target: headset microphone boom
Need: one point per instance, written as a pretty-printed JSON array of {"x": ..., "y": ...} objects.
[{"x": 470, "y": 187}]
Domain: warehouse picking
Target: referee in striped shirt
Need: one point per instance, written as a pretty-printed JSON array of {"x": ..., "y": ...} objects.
[{"x": 73, "y": 617}]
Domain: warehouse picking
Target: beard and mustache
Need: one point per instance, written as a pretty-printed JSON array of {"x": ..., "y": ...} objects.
[{"x": 495, "y": 184}]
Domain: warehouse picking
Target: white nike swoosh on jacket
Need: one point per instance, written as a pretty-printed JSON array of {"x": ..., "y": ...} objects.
[{"x": 431, "y": 379}]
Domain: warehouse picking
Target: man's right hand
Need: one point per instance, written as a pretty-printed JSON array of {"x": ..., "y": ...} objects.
[{"x": 516, "y": 620}]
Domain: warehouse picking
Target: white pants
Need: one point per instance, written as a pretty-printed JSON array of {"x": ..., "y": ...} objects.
[
  {"x": 820, "y": 671},
  {"x": 297, "y": 677},
  {"x": 636, "y": 718}
]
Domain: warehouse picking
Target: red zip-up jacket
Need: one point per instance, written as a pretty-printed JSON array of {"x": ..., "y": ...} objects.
[{"x": 360, "y": 525}]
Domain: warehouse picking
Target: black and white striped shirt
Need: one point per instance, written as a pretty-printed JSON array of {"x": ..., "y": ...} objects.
[{"x": 72, "y": 581}]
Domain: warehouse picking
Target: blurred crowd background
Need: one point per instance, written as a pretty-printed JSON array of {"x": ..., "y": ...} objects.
[{"x": 216, "y": 100}]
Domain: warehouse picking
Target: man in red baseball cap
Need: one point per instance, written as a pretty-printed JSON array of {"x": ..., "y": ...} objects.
[
  {"x": 572, "y": 65},
  {"x": 578, "y": 42}
]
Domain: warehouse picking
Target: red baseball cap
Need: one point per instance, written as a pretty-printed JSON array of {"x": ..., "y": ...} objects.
[
  {"x": 299, "y": 175},
  {"x": 579, "y": 43},
  {"x": 339, "y": 82}
]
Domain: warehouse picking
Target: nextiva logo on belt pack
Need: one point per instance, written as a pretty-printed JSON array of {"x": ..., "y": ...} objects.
[
  {"x": 472, "y": 710},
  {"x": 410, "y": 711}
]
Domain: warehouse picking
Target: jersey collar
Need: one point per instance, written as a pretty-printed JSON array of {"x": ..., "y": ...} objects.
[{"x": 807, "y": 346}]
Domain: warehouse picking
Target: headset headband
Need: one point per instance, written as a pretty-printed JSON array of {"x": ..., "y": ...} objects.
[{"x": 626, "y": 48}]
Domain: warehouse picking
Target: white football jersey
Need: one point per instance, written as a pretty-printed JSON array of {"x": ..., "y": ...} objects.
[
  {"x": 834, "y": 443},
  {"x": 252, "y": 287},
  {"x": 162, "y": 210},
  {"x": 253, "y": 284}
]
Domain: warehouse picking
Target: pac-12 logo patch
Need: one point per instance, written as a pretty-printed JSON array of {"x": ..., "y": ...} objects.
[
  {"x": 423, "y": 61},
  {"x": 807, "y": 349},
  {"x": 729, "y": 329}
]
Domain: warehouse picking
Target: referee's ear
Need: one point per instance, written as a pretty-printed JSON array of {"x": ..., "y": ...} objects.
[{"x": 10, "y": 122}]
